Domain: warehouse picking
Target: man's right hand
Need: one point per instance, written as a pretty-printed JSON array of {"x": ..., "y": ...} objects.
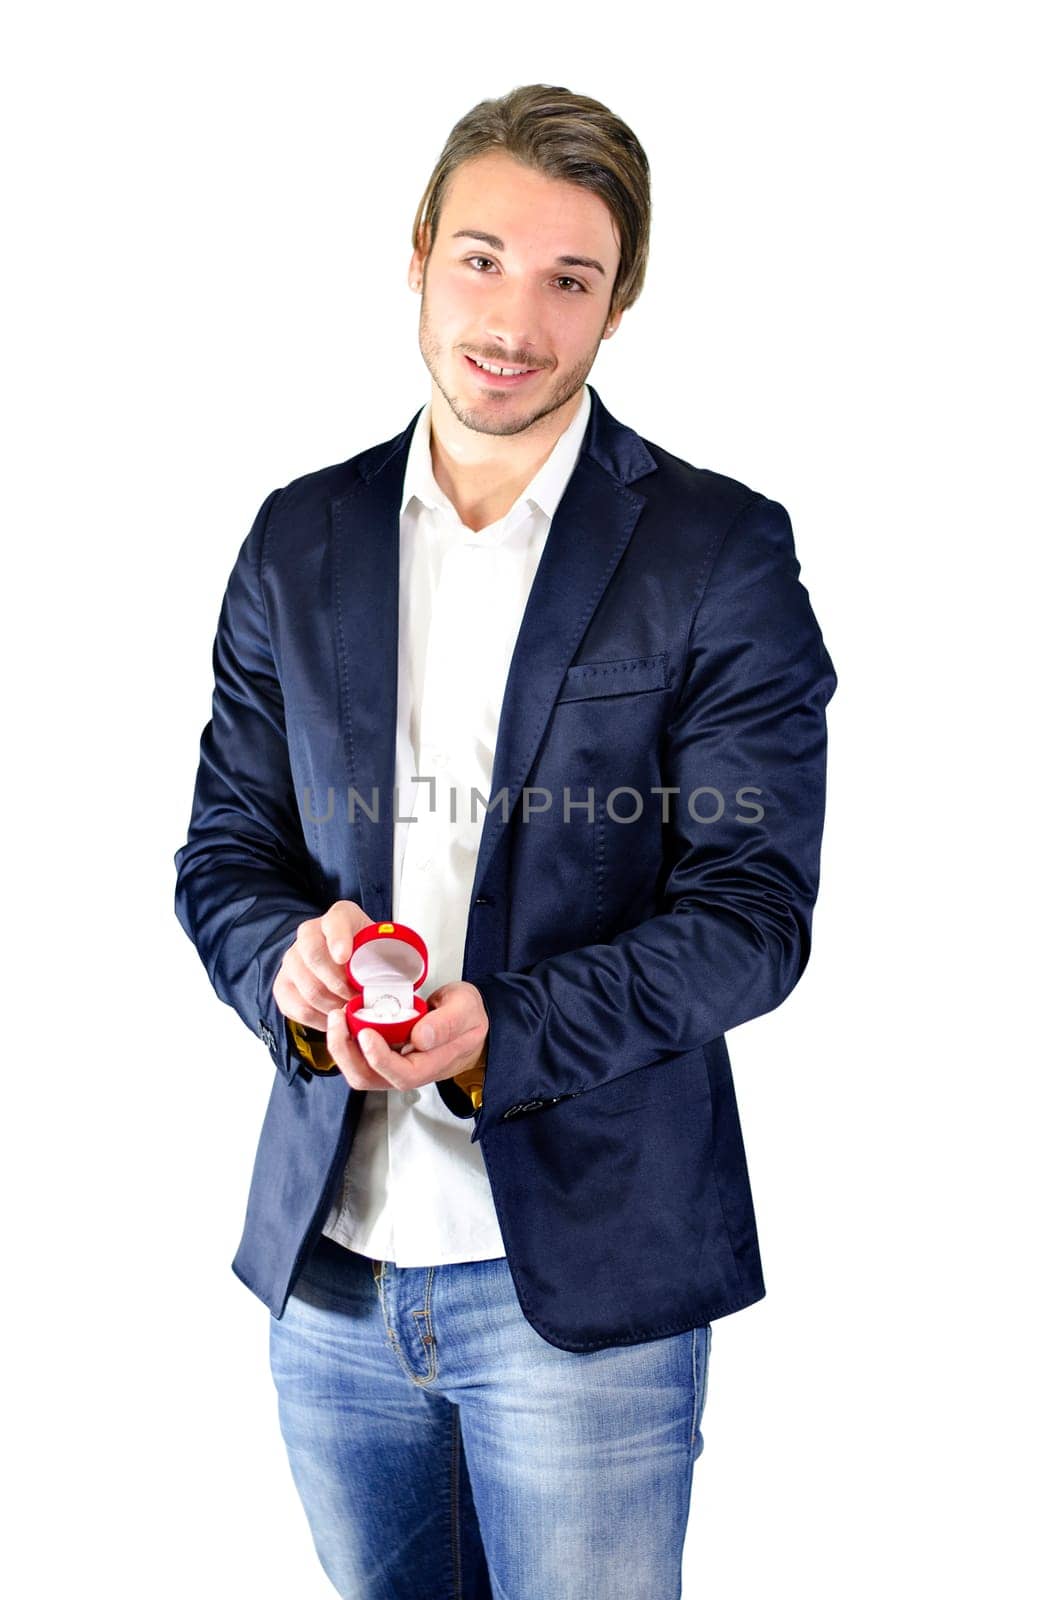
[{"x": 312, "y": 978}]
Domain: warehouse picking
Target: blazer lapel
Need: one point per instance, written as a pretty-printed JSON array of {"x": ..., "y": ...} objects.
[
  {"x": 591, "y": 528},
  {"x": 365, "y": 556}
]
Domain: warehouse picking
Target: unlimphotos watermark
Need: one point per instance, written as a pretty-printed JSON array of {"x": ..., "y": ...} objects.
[{"x": 704, "y": 804}]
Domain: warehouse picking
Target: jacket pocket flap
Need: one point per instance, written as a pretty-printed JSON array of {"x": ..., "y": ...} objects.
[{"x": 591, "y": 680}]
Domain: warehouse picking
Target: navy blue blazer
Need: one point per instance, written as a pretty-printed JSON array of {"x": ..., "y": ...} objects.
[{"x": 668, "y": 660}]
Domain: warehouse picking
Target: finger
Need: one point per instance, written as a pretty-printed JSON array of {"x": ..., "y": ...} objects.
[
  {"x": 459, "y": 1052},
  {"x": 451, "y": 1013},
  {"x": 381, "y": 1059},
  {"x": 338, "y": 926},
  {"x": 348, "y": 1056},
  {"x": 310, "y": 952},
  {"x": 293, "y": 1005},
  {"x": 324, "y": 992}
]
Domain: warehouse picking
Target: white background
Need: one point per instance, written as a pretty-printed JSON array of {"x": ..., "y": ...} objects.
[{"x": 849, "y": 305}]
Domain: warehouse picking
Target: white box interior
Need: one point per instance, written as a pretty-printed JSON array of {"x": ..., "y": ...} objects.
[{"x": 387, "y": 967}]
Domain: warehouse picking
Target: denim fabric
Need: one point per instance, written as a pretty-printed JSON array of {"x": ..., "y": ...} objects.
[{"x": 444, "y": 1450}]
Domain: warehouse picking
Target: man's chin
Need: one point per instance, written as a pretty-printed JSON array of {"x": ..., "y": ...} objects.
[
  {"x": 507, "y": 414},
  {"x": 499, "y": 421}
]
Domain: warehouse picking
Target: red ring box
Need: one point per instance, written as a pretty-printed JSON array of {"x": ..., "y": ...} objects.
[{"x": 388, "y": 958}]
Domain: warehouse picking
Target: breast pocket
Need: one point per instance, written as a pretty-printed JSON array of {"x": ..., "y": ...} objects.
[{"x": 597, "y": 680}]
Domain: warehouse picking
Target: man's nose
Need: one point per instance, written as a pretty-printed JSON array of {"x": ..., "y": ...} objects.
[{"x": 514, "y": 326}]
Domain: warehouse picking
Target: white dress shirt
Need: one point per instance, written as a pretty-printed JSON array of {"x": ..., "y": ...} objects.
[{"x": 415, "y": 1189}]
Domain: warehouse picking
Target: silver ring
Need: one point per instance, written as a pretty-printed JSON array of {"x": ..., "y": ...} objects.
[{"x": 380, "y": 1000}]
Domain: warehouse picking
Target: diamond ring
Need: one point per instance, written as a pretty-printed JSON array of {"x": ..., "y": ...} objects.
[{"x": 385, "y": 1005}]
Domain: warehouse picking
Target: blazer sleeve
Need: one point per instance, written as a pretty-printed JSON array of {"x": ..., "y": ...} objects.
[
  {"x": 732, "y": 937},
  {"x": 243, "y": 878}
]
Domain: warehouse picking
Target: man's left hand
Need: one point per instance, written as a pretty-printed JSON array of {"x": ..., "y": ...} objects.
[{"x": 450, "y": 1039}]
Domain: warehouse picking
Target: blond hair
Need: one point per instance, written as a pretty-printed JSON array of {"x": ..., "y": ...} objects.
[{"x": 561, "y": 135}]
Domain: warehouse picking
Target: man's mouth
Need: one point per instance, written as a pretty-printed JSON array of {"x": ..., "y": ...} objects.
[{"x": 498, "y": 376}]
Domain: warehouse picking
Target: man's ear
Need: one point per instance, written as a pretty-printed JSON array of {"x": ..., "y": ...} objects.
[
  {"x": 418, "y": 264},
  {"x": 611, "y": 325}
]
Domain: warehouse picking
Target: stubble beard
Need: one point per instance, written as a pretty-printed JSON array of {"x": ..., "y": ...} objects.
[{"x": 505, "y": 418}]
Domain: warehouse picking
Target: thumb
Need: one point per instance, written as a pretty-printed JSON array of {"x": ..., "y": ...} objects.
[
  {"x": 339, "y": 925},
  {"x": 433, "y": 1029}
]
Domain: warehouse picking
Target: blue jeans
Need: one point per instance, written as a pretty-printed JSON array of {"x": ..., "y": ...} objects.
[{"x": 444, "y": 1450}]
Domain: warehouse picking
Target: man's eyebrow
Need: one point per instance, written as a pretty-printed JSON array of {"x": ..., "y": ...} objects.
[{"x": 498, "y": 244}]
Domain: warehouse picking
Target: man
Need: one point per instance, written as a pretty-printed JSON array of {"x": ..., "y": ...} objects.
[{"x": 554, "y": 698}]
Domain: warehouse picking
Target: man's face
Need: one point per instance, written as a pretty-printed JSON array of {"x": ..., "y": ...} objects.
[{"x": 510, "y": 299}]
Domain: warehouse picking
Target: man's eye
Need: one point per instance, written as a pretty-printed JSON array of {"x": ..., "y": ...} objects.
[{"x": 573, "y": 282}]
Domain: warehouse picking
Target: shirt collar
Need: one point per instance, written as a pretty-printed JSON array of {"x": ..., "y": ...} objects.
[{"x": 545, "y": 489}]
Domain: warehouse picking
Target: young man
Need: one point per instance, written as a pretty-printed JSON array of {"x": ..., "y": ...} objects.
[{"x": 554, "y": 698}]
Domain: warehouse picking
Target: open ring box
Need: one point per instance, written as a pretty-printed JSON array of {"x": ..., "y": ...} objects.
[{"x": 388, "y": 963}]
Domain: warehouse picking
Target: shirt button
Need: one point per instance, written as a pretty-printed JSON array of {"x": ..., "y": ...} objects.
[{"x": 410, "y": 1096}]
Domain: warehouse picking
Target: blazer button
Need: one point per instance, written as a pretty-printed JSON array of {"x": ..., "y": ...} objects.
[{"x": 524, "y": 1105}]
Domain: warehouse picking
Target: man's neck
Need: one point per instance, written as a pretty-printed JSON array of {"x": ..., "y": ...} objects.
[{"x": 483, "y": 474}]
